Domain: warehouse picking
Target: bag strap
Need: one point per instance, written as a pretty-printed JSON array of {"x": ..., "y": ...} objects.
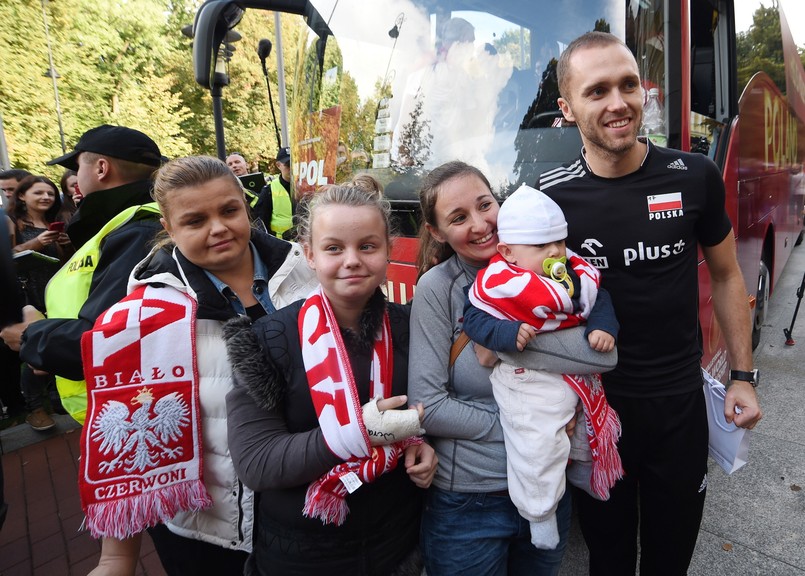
[{"x": 458, "y": 345}]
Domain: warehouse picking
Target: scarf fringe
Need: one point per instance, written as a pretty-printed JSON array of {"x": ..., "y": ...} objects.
[
  {"x": 128, "y": 516},
  {"x": 329, "y": 507},
  {"x": 607, "y": 468}
]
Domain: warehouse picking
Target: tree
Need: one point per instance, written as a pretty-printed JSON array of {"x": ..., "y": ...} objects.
[
  {"x": 415, "y": 141},
  {"x": 761, "y": 47}
]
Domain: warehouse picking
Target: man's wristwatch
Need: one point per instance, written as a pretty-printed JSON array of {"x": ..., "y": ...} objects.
[{"x": 753, "y": 377}]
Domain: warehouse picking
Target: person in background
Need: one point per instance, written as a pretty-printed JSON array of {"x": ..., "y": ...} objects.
[
  {"x": 237, "y": 163},
  {"x": 336, "y": 495},
  {"x": 275, "y": 206},
  {"x": 343, "y": 162},
  {"x": 9, "y": 179},
  {"x": 10, "y": 312},
  {"x": 217, "y": 265},
  {"x": 36, "y": 210},
  {"x": 239, "y": 167},
  {"x": 70, "y": 200},
  {"x": 10, "y": 358},
  {"x": 111, "y": 231},
  {"x": 610, "y": 196}
]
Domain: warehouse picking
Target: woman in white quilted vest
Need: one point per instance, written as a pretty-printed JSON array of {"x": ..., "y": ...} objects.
[{"x": 155, "y": 444}]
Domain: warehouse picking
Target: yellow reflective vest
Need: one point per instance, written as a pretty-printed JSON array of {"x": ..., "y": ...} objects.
[
  {"x": 282, "y": 209},
  {"x": 69, "y": 288}
]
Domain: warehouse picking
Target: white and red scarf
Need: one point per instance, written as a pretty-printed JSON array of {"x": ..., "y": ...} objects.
[
  {"x": 141, "y": 443},
  {"x": 338, "y": 408},
  {"x": 509, "y": 292}
]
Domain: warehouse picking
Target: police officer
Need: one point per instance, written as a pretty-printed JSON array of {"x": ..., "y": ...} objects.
[
  {"x": 112, "y": 230},
  {"x": 275, "y": 205}
]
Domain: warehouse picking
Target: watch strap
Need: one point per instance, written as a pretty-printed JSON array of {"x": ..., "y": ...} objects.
[{"x": 744, "y": 376}]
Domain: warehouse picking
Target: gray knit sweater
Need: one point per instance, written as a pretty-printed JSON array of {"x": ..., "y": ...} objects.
[{"x": 461, "y": 416}]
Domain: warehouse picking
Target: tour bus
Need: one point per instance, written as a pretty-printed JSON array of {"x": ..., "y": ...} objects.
[{"x": 396, "y": 87}]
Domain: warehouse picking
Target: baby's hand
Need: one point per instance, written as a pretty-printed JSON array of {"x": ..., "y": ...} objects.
[
  {"x": 601, "y": 341},
  {"x": 524, "y": 335}
]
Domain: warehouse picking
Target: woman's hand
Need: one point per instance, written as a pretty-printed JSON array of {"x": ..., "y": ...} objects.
[
  {"x": 118, "y": 557},
  {"x": 420, "y": 464},
  {"x": 570, "y": 427},
  {"x": 485, "y": 356},
  {"x": 63, "y": 239},
  {"x": 48, "y": 237}
]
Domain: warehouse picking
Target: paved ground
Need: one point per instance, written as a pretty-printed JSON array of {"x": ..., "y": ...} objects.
[
  {"x": 754, "y": 521},
  {"x": 41, "y": 535}
]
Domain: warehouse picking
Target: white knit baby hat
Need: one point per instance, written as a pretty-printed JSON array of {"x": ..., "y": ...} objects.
[{"x": 529, "y": 217}]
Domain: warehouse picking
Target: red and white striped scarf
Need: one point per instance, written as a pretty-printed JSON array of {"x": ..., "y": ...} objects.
[
  {"x": 338, "y": 408},
  {"x": 141, "y": 456},
  {"x": 509, "y": 292}
]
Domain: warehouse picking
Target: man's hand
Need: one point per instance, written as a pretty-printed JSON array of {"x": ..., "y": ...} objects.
[
  {"x": 12, "y": 335},
  {"x": 741, "y": 406}
]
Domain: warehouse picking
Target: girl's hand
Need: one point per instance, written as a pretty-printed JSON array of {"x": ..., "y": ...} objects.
[
  {"x": 386, "y": 425},
  {"x": 63, "y": 239},
  {"x": 48, "y": 237},
  {"x": 420, "y": 464}
]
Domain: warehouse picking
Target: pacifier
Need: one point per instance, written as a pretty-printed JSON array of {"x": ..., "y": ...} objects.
[{"x": 556, "y": 268}]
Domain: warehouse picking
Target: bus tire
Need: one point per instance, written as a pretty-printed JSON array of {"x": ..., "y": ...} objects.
[{"x": 761, "y": 302}]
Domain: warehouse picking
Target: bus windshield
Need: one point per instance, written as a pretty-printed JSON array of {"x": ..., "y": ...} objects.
[{"x": 396, "y": 88}]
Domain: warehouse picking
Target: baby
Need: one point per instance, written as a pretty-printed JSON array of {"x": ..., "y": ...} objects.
[{"x": 534, "y": 284}]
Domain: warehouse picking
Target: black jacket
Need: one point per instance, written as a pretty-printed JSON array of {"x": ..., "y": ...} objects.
[
  {"x": 278, "y": 449},
  {"x": 54, "y": 345}
]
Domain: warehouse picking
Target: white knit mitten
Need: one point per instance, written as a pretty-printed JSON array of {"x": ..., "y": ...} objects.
[
  {"x": 390, "y": 426},
  {"x": 545, "y": 533}
]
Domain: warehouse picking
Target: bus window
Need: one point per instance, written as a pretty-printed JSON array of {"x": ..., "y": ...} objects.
[
  {"x": 710, "y": 96},
  {"x": 397, "y": 87}
]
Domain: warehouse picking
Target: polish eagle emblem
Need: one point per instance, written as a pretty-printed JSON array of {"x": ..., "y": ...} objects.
[{"x": 139, "y": 440}]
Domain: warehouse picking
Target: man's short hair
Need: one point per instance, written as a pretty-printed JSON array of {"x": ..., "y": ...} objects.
[
  {"x": 589, "y": 40},
  {"x": 127, "y": 171},
  {"x": 14, "y": 174}
]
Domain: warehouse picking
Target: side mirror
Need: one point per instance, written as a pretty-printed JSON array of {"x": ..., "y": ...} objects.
[{"x": 213, "y": 19}]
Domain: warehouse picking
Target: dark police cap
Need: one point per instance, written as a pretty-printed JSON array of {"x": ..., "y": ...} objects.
[
  {"x": 116, "y": 142},
  {"x": 284, "y": 155}
]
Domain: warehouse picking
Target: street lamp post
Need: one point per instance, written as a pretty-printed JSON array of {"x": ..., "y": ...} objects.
[{"x": 53, "y": 76}]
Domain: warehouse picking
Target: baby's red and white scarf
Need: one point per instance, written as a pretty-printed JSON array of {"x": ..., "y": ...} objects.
[
  {"x": 141, "y": 443},
  {"x": 509, "y": 292},
  {"x": 338, "y": 408}
]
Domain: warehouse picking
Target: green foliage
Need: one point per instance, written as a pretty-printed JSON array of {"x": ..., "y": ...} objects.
[
  {"x": 114, "y": 59},
  {"x": 516, "y": 42},
  {"x": 761, "y": 47},
  {"x": 126, "y": 62}
]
